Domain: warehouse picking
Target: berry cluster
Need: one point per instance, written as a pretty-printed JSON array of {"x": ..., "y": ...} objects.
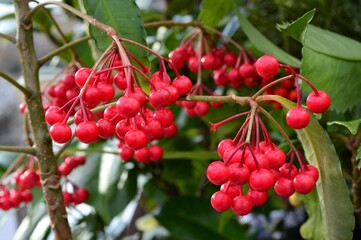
[
  {"x": 136, "y": 118},
  {"x": 14, "y": 197},
  {"x": 79, "y": 195},
  {"x": 247, "y": 163},
  {"x": 69, "y": 163}
]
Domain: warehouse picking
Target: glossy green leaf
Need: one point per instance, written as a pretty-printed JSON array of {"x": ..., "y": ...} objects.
[
  {"x": 124, "y": 17},
  {"x": 263, "y": 44},
  {"x": 297, "y": 29},
  {"x": 334, "y": 199},
  {"x": 212, "y": 11},
  {"x": 352, "y": 126},
  {"x": 312, "y": 229}
]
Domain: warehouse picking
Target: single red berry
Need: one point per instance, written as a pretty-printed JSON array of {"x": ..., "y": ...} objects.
[
  {"x": 79, "y": 116},
  {"x": 218, "y": 173},
  {"x": 111, "y": 114},
  {"x": 170, "y": 131},
  {"x": 159, "y": 98},
  {"x": 64, "y": 169},
  {"x": 276, "y": 158},
  {"x": 239, "y": 174},
  {"x": 303, "y": 183},
  {"x": 183, "y": 84},
  {"x": 120, "y": 81},
  {"x": 193, "y": 64},
  {"x": 106, "y": 128},
  {"x": 288, "y": 170},
  {"x": 54, "y": 115},
  {"x": 82, "y": 75},
  {"x": 128, "y": 106},
  {"x": 220, "y": 77},
  {"x": 135, "y": 139},
  {"x": 60, "y": 133},
  {"x": 156, "y": 153},
  {"x": 231, "y": 189},
  {"x": 107, "y": 91},
  {"x": 242, "y": 205},
  {"x": 284, "y": 187},
  {"x": 164, "y": 116},
  {"x": 297, "y": 118},
  {"x": 230, "y": 59},
  {"x": 80, "y": 195},
  {"x": 318, "y": 102},
  {"x": 224, "y": 145},
  {"x": 209, "y": 62},
  {"x": 27, "y": 196},
  {"x": 87, "y": 132},
  {"x": 247, "y": 70},
  {"x": 261, "y": 180},
  {"x": 221, "y": 201},
  {"x": 201, "y": 108},
  {"x": 256, "y": 161},
  {"x": 310, "y": 170},
  {"x": 80, "y": 160},
  {"x": 142, "y": 155},
  {"x": 258, "y": 198},
  {"x": 267, "y": 66},
  {"x": 125, "y": 153},
  {"x": 233, "y": 75}
]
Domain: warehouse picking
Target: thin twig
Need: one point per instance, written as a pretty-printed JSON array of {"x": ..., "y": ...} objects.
[
  {"x": 8, "y": 37},
  {"x": 26, "y": 150},
  {"x": 15, "y": 84}
]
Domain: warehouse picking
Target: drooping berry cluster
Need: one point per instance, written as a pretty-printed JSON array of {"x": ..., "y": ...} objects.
[
  {"x": 14, "y": 197},
  {"x": 136, "y": 118},
  {"x": 249, "y": 168},
  {"x": 77, "y": 196}
]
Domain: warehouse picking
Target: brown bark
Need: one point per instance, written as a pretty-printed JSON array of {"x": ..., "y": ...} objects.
[{"x": 42, "y": 142}]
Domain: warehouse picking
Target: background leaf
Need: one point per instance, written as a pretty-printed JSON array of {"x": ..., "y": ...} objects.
[
  {"x": 124, "y": 16},
  {"x": 352, "y": 126},
  {"x": 335, "y": 203},
  {"x": 212, "y": 11},
  {"x": 263, "y": 44}
]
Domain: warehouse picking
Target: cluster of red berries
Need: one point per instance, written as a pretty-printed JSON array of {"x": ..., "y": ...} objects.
[
  {"x": 79, "y": 195},
  {"x": 135, "y": 123},
  {"x": 255, "y": 166},
  {"x": 69, "y": 163},
  {"x": 14, "y": 197}
]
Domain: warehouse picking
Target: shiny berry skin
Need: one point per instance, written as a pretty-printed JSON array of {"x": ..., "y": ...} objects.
[
  {"x": 156, "y": 153},
  {"x": 288, "y": 170},
  {"x": 247, "y": 70},
  {"x": 125, "y": 153},
  {"x": 87, "y": 132},
  {"x": 310, "y": 170},
  {"x": 170, "y": 131},
  {"x": 318, "y": 102},
  {"x": 218, "y": 173},
  {"x": 106, "y": 128},
  {"x": 54, "y": 115},
  {"x": 60, "y": 133},
  {"x": 239, "y": 174},
  {"x": 81, "y": 76},
  {"x": 92, "y": 96},
  {"x": 242, "y": 205},
  {"x": 183, "y": 84},
  {"x": 80, "y": 195},
  {"x": 201, "y": 108},
  {"x": 164, "y": 116},
  {"x": 267, "y": 66},
  {"x": 221, "y": 201},
  {"x": 284, "y": 187},
  {"x": 142, "y": 155},
  {"x": 261, "y": 180},
  {"x": 230, "y": 59},
  {"x": 276, "y": 158},
  {"x": 67, "y": 198},
  {"x": 303, "y": 183},
  {"x": 224, "y": 145},
  {"x": 128, "y": 106},
  {"x": 258, "y": 198},
  {"x": 297, "y": 118},
  {"x": 135, "y": 139}
]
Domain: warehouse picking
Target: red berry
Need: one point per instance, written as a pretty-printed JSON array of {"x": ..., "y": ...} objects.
[
  {"x": 276, "y": 158},
  {"x": 297, "y": 118},
  {"x": 284, "y": 187},
  {"x": 256, "y": 161},
  {"x": 120, "y": 81},
  {"x": 224, "y": 145},
  {"x": 164, "y": 116},
  {"x": 128, "y": 106},
  {"x": 231, "y": 189},
  {"x": 60, "y": 133},
  {"x": 261, "y": 180},
  {"x": 79, "y": 118},
  {"x": 209, "y": 62},
  {"x": 142, "y": 155},
  {"x": 170, "y": 131},
  {"x": 156, "y": 153},
  {"x": 201, "y": 108},
  {"x": 193, "y": 64},
  {"x": 258, "y": 198},
  {"x": 242, "y": 205},
  {"x": 221, "y": 201},
  {"x": 239, "y": 174},
  {"x": 218, "y": 173},
  {"x": 303, "y": 183},
  {"x": 288, "y": 171},
  {"x": 135, "y": 139},
  {"x": 27, "y": 196},
  {"x": 106, "y": 128},
  {"x": 183, "y": 84},
  {"x": 107, "y": 91},
  {"x": 82, "y": 75},
  {"x": 87, "y": 132},
  {"x": 125, "y": 153},
  {"x": 310, "y": 170},
  {"x": 80, "y": 195},
  {"x": 267, "y": 66},
  {"x": 54, "y": 115},
  {"x": 318, "y": 102},
  {"x": 64, "y": 169},
  {"x": 230, "y": 59},
  {"x": 247, "y": 70}
]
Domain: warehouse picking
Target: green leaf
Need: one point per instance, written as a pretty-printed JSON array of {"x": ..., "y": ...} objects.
[
  {"x": 352, "y": 126},
  {"x": 213, "y": 11},
  {"x": 338, "y": 77},
  {"x": 332, "y": 44},
  {"x": 124, "y": 17},
  {"x": 297, "y": 29},
  {"x": 263, "y": 44},
  {"x": 312, "y": 229},
  {"x": 334, "y": 199}
]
